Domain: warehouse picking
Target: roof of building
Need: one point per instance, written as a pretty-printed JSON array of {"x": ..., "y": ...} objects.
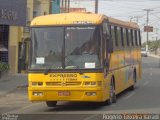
[{"x": 77, "y": 18}]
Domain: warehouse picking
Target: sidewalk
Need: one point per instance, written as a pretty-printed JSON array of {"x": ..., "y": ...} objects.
[
  {"x": 9, "y": 83},
  {"x": 152, "y": 55}
]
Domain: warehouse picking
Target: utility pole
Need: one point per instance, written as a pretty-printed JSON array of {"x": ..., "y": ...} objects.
[
  {"x": 147, "y": 10},
  {"x": 96, "y": 6}
]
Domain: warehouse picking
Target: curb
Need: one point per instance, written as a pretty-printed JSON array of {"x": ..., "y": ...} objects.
[{"x": 155, "y": 56}]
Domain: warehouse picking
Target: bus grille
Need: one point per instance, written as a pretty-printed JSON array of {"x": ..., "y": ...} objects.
[{"x": 63, "y": 84}]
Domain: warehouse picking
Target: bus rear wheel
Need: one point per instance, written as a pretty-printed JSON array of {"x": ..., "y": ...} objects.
[
  {"x": 134, "y": 80},
  {"x": 51, "y": 103}
]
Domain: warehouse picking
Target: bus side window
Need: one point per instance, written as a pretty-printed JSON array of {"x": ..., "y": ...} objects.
[
  {"x": 116, "y": 36},
  {"x": 112, "y": 33},
  {"x": 135, "y": 34},
  {"x": 132, "y": 38},
  {"x": 127, "y": 37},
  {"x": 107, "y": 36},
  {"x": 139, "y": 35},
  {"x": 122, "y": 37},
  {"x": 105, "y": 28},
  {"x": 119, "y": 36}
]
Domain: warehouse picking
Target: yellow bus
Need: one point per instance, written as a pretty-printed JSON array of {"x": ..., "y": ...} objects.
[{"x": 82, "y": 57}]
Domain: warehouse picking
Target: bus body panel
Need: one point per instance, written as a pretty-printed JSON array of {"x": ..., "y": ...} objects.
[
  {"x": 86, "y": 86},
  {"x": 57, "y": 82}
]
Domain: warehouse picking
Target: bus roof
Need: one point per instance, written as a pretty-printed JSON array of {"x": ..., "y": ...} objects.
[{"x": 77, "y": 18}]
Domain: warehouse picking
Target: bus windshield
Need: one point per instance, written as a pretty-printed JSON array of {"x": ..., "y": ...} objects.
[{"x": 65, "y": 48}]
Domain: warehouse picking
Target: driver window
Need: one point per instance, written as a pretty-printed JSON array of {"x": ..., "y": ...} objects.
[{"x": 105, "y": 28}]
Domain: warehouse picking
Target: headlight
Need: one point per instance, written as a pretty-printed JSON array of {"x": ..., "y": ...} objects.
[
  {"x": 90, "y": 83},
  {"x": 36, "y": 83},
  {"x": 37, "y": 94}
]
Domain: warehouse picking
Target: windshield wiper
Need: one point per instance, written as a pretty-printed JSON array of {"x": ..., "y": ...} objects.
[{"x": 48, "y": 70}]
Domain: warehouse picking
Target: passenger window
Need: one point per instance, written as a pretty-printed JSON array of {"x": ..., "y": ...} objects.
[
  {"x": 135, "y": 33},
  {"x": 105, "y": 28},
  {"x": 139, "y": 35},
  {"x": 122, "y": 39},
  {"x": 116, "y": 35},
  {"x": 127, "y": 37},
  {"x": 113, "y": 34},
  {"x": 119, "y": 35},
  {"x": 132, "y": 42}
]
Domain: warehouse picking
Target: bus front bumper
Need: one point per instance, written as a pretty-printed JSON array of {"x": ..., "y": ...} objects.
[{"x": 89, "y": 95}]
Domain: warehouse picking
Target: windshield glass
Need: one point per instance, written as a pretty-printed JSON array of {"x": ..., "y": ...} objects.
[
  {"x": 47, "y": 47},
  {"x": 82, "y": 48},
  {"x": 65, "y": 48}
]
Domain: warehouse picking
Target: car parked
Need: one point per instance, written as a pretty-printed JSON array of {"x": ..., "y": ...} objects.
[{"x": 144, "y": 53}]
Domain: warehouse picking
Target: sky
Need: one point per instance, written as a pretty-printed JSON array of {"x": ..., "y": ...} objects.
[{"x": 127, "y": 10}]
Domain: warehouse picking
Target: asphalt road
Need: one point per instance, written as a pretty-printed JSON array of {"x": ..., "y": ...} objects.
[{"x": 144, "y": 99}]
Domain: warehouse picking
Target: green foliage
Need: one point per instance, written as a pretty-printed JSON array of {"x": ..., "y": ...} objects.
[
  {"x": 152, "y": 45},
  {"x": 3, "y": 66}
]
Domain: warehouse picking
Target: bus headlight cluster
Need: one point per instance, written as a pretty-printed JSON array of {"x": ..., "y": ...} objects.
[
  {"x": 93, "y": 83},
  {"x": 37, "y": 93},
  {"x": 36, "y": 83},
  {"x": 91, "y": 93}
]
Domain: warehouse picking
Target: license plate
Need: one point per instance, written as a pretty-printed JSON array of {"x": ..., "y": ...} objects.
[{"x": 63, "y": 93}]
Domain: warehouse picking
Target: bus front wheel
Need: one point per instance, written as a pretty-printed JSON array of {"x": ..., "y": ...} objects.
[
  {"x": 112, "y": 94},
  {"x": 112, "y": 98},
  {"x": 51, "y": 103},
  {"x": 134, "y": 80}
]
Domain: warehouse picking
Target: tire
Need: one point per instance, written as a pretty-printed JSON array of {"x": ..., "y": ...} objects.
[
  {"x": 114, "y": 99},
  {"x": 51, "y": 103},
  {"x": 134, "y": 79},
  {"x": 112, "y": 93}
]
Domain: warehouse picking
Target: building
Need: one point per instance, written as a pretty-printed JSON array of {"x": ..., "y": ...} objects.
[
  {"x": 34, "y": 8},
  {"x": 15, "y": 18},
  {"x": 12, "y": 16}
]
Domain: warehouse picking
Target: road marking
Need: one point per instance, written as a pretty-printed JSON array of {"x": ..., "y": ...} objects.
[
  {"x": 130, "y": 95},
  {"x": 91, "y": 117},
  {"x": 145, "y": 83}
]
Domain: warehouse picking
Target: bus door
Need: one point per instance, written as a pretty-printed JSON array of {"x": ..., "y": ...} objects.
[{"x": 107, "y": 46}]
